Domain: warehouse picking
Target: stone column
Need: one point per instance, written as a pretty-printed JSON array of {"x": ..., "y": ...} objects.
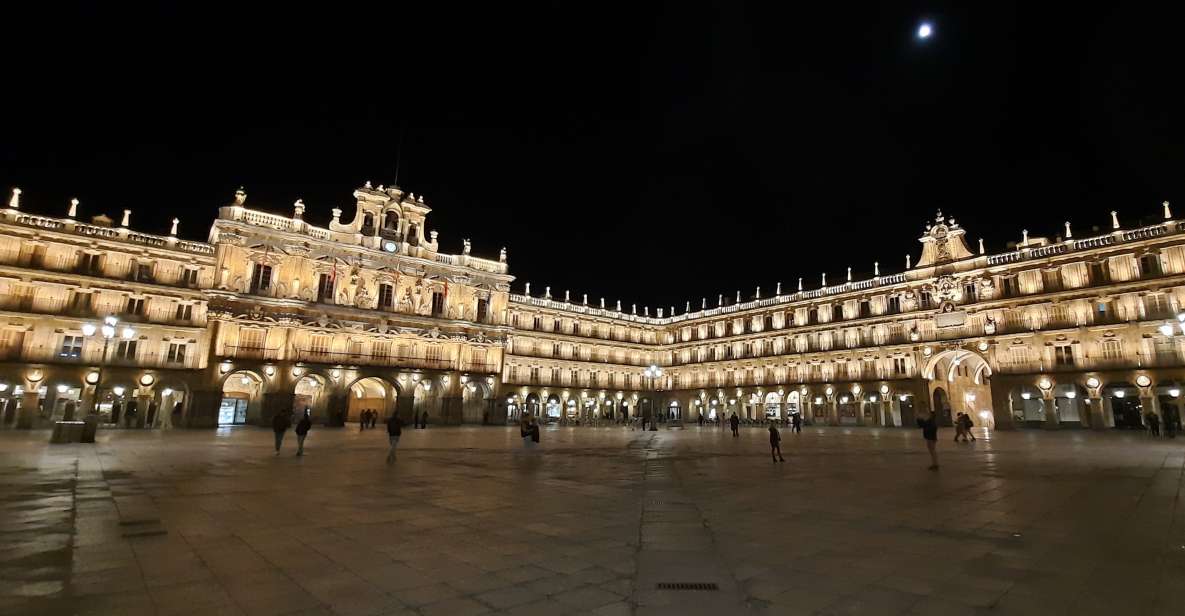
[
  {"x": 1001, "y": 411},
  {"x": 1098, "y": 414},
  {"x": 1052, "y": 418},
  {"x": 143, "y": 401},
  {"x": 886, "y": 411},
  {"x": 832, "y": 411},
  {"x": 451, "y": 402}
]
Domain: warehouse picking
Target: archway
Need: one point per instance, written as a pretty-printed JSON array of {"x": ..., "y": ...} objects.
[
  {"x": 847, "y": 406},
  {"x": 370, "y": 393},
  {"x": 773, "y": 406},
  {"x": 607, "y": 409},
  {"x": 674, "y": 411},
  {"x": 477, "y": 402},
  {"x": 553, "y": 410},
  {"x": 242, "y": 394},
  {"x": 533, "y": 407},
  {"x": 793, "y": 405},
  {"x": 965, "y": 378},
  {"x": 310, "y": 393},
  {"x": 171, "y": 397},
  {"x": 1124, "y": 401},
  {"x": 1069, "y": 401},
  {"x": 1169, "y": 402},
  {"x": 514, "y": 409},
  {"x": 1027, "y": 406},
  {"x": 425, "y": 399}
]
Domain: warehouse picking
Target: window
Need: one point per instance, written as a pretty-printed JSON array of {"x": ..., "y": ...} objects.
[
  {"x": 555, "y": 326},
  {"x": 594, "y": 379},
  {"x": 514, "y": 320},
  {"x": 391, "y": 221},
  {"x": 1112, "y": 349},
  {"x": 261, "y": 278},
  {"x": 894, "y": 304},
  {"x": 970, "y": 292},
  {"x": 381, "y": 348},
  {"x": 437, "y": 304},
  {"x": 1150, "y": 265},
  {"x": 318, "y": 345},
  {"x": 81, "y": 303},
  {"x": 1098, "y": 272},
  {"x": 535, "y": 374},
  {"x": 325, "y": 289},
  {"x": 576, "y": 327},
  {"x": 899, "y": 366},
  {"x": 386, "y": 297},
  {"x": 1020, "y": 354},
  {"x": 176, "y": 353},
  {"x": 142, "y": 272},
  {"x": 483, "y": 310},
  {"x": 555, "y": 376},
  {"x": 189, "y": 277},
  {"x": 813, "y": 315},
  {"x": 184, "y": 312},
  {"x": 837, "y": 312},
  {"x": 90, "y": 263},
  {"x": 126, "y": 349},
  {"x": 135, "y": 306},
  {"x": 1063, "y": 355},
  {"x": 925, "y": 300},
  {"x": 1011, "y": 286},
  {"x": 538, "y": 324},
  {"x": 71, "y": 347},
  {"x": 865, "y": 309},
  {"x": 251, "y": 338},
  {"x": 555, "y": 349},
  {"x": 573, "y": 375}
]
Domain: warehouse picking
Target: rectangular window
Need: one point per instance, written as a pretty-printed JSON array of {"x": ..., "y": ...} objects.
[
  {"x": 325, "y": 289},
  {"x": 251, "y": 339},
  {"x": 576, "y": 327},
  {"x": 970, "y": 293},
  {"x": 865, "y": 308},
  {"x": 80, "y": 303},
  {"x": 1063, "y": 355},
  {"x": 538, "y": 324},
  {"x": 1150, "y": 265},
  {"x": 483, "y": 310},
  {"x": 90, "y": 263},
  {"x": 894, "y": 304},
  {"x": 437, "y": 304},
  {"x": 925, "y": 300},
  {"x": 1112, "y": 349},
  {"x": 1098, "y": 272},
  {"x": 899, "y": 366},
  {"x": 142, "y": 272},
  {"x": 126, "y": 349},
  {"x": 555, "y": 376},
  {"x": 71, "y": 347},
  {"x": 317, "y": 344},
  {"x": 135, "y": 306},
  {"x": 535, "y": 374},
  {"x": 593, "y": 379},
  {"x": 1011, "y": 286},
  {"x": 381, "y": 348},
  {"x": 386, "y": 297},
  {"x": 184, "y": 312},
  {"x": 261, "y": 278},
  {"x": 176, "y": 352},
  {"x": 189, "y": 277},
  {"x": 555, "y": 325}
]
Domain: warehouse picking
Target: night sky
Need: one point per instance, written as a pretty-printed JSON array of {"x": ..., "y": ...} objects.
[{"x": 649, "y": 153}]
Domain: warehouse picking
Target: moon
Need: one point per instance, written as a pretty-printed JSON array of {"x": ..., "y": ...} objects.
[{"x": 925, "y": 30}]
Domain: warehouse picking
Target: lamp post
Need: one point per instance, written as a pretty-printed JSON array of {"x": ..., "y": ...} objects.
[
  {"x": 651, "y": 373},
  {"x": 107, "y": 330}
]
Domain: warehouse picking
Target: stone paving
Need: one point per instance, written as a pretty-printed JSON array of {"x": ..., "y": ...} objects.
[{"x": 592, "y": 522}]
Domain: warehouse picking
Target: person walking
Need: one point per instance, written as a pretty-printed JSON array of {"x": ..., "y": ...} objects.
[
  {"x": 374, "y": 418},
  {"x": 967, "y": 425},
  {"x": 394, "y": 431},
  {"x": 524, "y": 431},
  {"x": 701, "y": 420},
  {"x": 280, "y": 424},
  {"x": 930, "y": 432},
  {"x": 424, "y": 421},
  {"x": 302, "y": 431},
  {"x": 775, "y": 443},
  {"x": 735, "y": 423},
  {"x": 959, "y": 427},
  {"x": 796, "y": 423},
  {"x": 362, "y": 419},
  {"x": 1153, "y": 422},
  {"x": 534, "y": 433}
]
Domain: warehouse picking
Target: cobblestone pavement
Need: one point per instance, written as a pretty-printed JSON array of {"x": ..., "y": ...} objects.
[{"x": 592, "y": 522}]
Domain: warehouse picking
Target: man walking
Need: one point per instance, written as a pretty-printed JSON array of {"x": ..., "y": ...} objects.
[
  {"x": 302, "y": 431},
  {"x": 930, "y": 432},
  {"x": 796, "y": 423},
  {"x": 775, "y": 443},
  {"x": 280, "y": 424},
  {"x": 394, "y": 431},
  {"x": 735, "y": 423}
]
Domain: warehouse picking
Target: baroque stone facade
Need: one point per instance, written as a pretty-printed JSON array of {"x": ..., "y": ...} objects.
[{"x": 273, "y": 313}]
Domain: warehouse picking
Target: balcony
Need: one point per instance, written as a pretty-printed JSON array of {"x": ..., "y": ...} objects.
[
  {"x": 251, "y": 352},
  {"x": 364, "y": 359}
]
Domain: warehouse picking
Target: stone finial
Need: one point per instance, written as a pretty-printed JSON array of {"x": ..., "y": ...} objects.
[
  {"x": 703, "y": 303},
  {"x": 173, "y": 230},
  {"x": 1114, "y": 219},
  {"x": 1024, "y": 238},
  {"x": 298, "y": 209},
  {"x": 502, "y": 255},
  {"x": 646, "y": 311},
  {"x": 337, "y": 214},
  {"x": 849, "y": 274},
  {"x": 633, "y": 309},
  {"x": 981, "y": 245},
  {"x": 465, "y": 246},
  {"x": 800, "y": 284},
  {"x": 602, "y": 303},
  {"x": 411, "y": 196},
  {"x": 719, "y": 300},
  {"x": 686, "y": 308},
  {"x": 433, "y": 234},
  {"x": 367, "y": 184},
  {"x": 738, "y": 296},
  {"x": 240, "y": 196},
  {"x": 660, "y": 312},
  {"x": 127, "y": 215},
  {"x": 876, "y": 268},
  {"x": 420, "y": 199},
  {"x": 778, "y": 291},
  {"x": 381, "y": 188},
  {"x": 73, "y": 208},
  {"x": 619, "y": 305},
  {"x": 1069, "y": 233},
  {"x": 14, "y": 202},
  {"x": 824, "y": 279},
  {"x": 908, "y": 262},
  {"x": 528, "y": 291},
  {"x": 585, "y": 299},
  {"x": 566, "y": 295},
  {"x": 1168, "y": 214},
  {"x": 547, "y": 292},
  {"x": 758, "y": 291}
]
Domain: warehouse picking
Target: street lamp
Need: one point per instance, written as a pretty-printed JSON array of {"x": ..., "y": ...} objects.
[
  {"x": 652, "y": 373},
  {"x": 107, "y": 330}
]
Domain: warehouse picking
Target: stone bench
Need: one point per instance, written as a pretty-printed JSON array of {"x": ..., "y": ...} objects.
[{"x": 67, "y": 432}]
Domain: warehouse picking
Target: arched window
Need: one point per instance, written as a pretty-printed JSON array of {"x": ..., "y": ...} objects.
[
  {"x": 367, "y": 224},
  {"x": 391, "y": 221}
]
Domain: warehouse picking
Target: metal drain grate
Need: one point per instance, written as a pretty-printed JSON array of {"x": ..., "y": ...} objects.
[{"x": 686, "y": 586}]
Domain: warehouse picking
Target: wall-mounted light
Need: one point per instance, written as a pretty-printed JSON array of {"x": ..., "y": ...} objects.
[
  {"x": 166, "y": 392},
  {"x": 245, "y": 380},
  {"x": 1071, "y": 394},
  {"x": 224, "y": 367},
  {"x": 818, "y": 401},
  {"x": 927, "y": 351},
  {"x": 983, "y": 345},
  {"x": 34, "y": 376},
  {"x": 1143, "y": 380},
  {"x": 1119, "y": 393},
  {"x": 91, "y": 378},
  {"x": 1045, "y": 383},
  {"x": 118, "y": 390},
  {"x": 829, "y": 390},
  {"x": 269, "y": 370},
  {"x": 1026, "y": 395},
  {"x": 884, "y": 390},
  {"x": 1093, "y": 383},
  {"x": 903, "y": 397},
  {"x": 63, "y": 388},
  {"x": 335, "y": 373}
]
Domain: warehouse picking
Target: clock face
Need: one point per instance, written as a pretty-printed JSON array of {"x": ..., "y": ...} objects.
[{"x": 389, "y": 246}]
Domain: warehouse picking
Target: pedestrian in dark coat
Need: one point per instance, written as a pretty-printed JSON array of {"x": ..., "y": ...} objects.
[
  {"x": 929, "y": 428},
  {"x": 735, "y": 423},
  {"x": 302, "y": 431},
  {"x": 394, "y": 431},
  {"x": 775, "y": 443},
  {"x": 796, "y": 423},
  {"x": 280, "y": 424}
]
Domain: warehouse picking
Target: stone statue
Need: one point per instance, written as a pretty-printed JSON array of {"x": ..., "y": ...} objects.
[{"x": 465, "y": 249}]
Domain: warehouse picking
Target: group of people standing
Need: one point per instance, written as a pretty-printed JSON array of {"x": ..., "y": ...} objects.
[
  {"x": 367, "y": 418},
  {"x": 1152, "y": 420}
]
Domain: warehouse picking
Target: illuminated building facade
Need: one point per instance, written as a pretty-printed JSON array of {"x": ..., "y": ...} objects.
[{"x": 273, "y": 313}]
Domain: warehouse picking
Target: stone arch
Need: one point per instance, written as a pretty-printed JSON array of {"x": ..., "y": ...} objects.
[
  {"x": 553, "y": 408},
  {"x": 965, "y": 378},
  {"x": 1122, "y": 402},
  {"x": 371, "y": 393},
  {"x": 426, "y": 398},
  {"x": 1027, "y": 405},
  {"x": 311, "y": 391},
  {"x": 171, "y": 396},
  {"x": 242, "y": 398},
  {"x": 773, "y": 406},
  {"x": 477, "y": 401},
  {"x": 1069, "y": 402}
]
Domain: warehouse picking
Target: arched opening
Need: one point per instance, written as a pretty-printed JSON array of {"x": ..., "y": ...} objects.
[
  {"x": 793, "y": 405},
  {"x": 553, "y": 410},
  {"x": 514, "y": 409},
  {"x": 1168, "y": 398},
  {"x": 1027, "y": 405},
  {"x": 390, "y": 223},
  {"x": 425, "y": 399},
  {"x": 1069, "y": 401},
  {"x": 623, "y": 410},
  {"x": 477, "y": 402},
  {"x": 1124, "y": 401},
  {"x": 370, "y": 393},
  {"x": 368, "y": 224},
  {"x": 965, "y": 378},
  {"x": 534, "y": 409},
  {"x": 847, "y": 405},
  {"x": 714, "y": 410},
  {"x": 571, "y": 410},
  {"x": 607, "y": 409},
  {"x": 773, "y": 406},
  {"x": 242, "y": 394},
  {"x": 310, "y": 393},
  {"x": 905, "y": 409},
  {"x": 170, "y": 399}
]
